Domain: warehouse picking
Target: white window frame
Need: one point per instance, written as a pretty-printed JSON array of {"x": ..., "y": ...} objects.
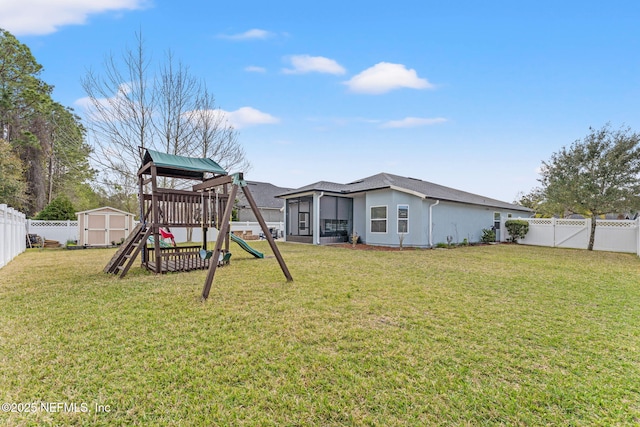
[
  {"x": 404, "y": 205},
  {"x": 385, "y": 219}
]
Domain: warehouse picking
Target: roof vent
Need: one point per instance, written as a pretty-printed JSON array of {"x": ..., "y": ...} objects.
[
  {"x": 415, "y": 179},
  {"x": 356, "y": 182}
]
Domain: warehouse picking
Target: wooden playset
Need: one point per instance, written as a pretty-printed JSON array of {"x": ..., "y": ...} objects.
[{"x": 207, "y": 204}]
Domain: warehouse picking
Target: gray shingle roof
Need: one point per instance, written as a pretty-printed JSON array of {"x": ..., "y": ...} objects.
[
  {"x": 423, "y": 188},
  {"x": 264, "y": 194}
]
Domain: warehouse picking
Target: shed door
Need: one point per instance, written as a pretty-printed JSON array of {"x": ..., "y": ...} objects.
[
  {"x": 95, "y": 231},
  {"x": 118, "y": 230}
]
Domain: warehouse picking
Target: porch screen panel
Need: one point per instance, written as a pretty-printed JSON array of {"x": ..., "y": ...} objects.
[
  {"x": 292, "y": 217},
  {"x": 335, "y": 216},
  {"x": 299, "y": 216}
]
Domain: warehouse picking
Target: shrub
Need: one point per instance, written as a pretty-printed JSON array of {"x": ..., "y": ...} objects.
[
  {"x": 517, "y": 229},
  {"x": 488, "y": 235},
  {"x": 60, "y": 208}
]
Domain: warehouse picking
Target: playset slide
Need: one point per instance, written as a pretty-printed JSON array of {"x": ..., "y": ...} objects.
[{"x": 245, "y": 246}]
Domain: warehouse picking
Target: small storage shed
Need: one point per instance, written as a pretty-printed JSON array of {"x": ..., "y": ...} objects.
[{"x": 104, "y": 226}]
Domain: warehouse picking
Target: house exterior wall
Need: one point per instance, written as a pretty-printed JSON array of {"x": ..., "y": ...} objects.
[
  {"x": 360, "y": 217},
  {"x": 463, "y": 221},
  {"x": 417, "y": 234},
  {"x": 458, "y": 220}
]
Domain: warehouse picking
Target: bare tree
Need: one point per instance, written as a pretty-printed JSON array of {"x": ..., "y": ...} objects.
[
  {"x": 176, "y": 114},
  {"x": 175, "y": 92},
  {"x": 119, "y": 113},
  {"x": 214, "y": 137}
]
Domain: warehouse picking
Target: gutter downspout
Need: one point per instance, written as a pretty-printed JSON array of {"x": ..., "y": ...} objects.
[
  {"x": 316, "y": 220},
  {"x": 431, "y": 222}
]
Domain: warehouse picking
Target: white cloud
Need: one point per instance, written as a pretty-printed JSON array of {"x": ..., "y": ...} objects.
[
  {"x": 248, "y": 116},
  {"x": 411, "y": 122},
  {"x": 253, "y": 34},
  {"x": 255, "y": 69},
  {"x": 116, "y": 107},
  {"x": 303, "y": 64},
  {"x": 37, "y": 17},
  {"x": 384, "y": 77}
]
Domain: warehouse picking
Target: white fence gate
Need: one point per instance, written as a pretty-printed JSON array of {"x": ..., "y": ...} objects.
[
  {"x": 12, "y": 234},
  {"x": 611, "y": 235}
]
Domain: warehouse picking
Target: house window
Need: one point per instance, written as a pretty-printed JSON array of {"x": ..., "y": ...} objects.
[
  {"x": 403, "y": 219},
  {"x": 378, "y": 219}
]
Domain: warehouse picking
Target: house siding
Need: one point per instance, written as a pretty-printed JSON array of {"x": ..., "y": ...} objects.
[
  {"x": 360, "y": 225},
  {"x": 391, "y": 198},
  {"x": 464, "y": 221},
  {"x": 458, "y": 220}
]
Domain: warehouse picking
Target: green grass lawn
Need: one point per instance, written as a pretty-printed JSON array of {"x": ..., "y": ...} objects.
[{"x": 490, "y": 335}]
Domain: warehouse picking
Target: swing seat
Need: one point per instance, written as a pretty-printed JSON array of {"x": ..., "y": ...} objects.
[
  {"x": 205, "y": 254},
  {"x": 225, "y": 260}
]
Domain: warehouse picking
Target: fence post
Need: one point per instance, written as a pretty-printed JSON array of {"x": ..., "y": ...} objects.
[
  {"x": 23, "y": 229},
  {"x": 638, "y": 235},
  {"x": 3, "y": 243},
  {"x": 12, "y": 234}
]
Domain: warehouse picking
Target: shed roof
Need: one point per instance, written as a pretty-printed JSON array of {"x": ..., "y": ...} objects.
[
  {"x": 104, "y": 208},
  {"x": 181, "y": 166},
  {"x": 414, "y": 186}
]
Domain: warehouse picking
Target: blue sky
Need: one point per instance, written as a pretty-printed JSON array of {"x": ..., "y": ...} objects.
[{"x": 472, "y": 95}]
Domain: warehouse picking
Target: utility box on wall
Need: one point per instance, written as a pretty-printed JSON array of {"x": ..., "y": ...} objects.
[{"x": 104, "y": 226}]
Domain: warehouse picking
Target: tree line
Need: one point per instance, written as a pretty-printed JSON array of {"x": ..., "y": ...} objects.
[{"x": 43, "y": 152}]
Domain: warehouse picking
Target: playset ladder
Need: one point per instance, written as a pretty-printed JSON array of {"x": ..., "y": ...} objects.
[{"x": 124, "y": 258}]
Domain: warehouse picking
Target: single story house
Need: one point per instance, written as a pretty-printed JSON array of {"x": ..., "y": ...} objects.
[
  {"x": 264, "y": 194},
  {"x": 384, "y": 208}
]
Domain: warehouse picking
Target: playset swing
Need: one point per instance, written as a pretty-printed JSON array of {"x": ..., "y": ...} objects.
[{"x": 162, "y": 209}]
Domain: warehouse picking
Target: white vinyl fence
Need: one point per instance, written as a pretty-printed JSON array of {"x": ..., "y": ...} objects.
[
  {"x": 61, "y": 231},
  {"x": 181, "y": 233},
  {"x": 611, "y": 235},
  {"x": 12, "y": 234}
]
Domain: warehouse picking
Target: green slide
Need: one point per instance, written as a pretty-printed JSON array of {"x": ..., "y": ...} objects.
[{"x": 245, "y": 246}]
